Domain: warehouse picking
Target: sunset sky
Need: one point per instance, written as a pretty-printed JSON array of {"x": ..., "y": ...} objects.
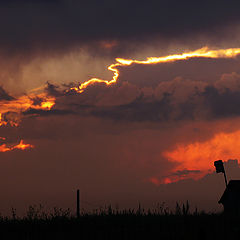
[{"x": 128, "y": 101}]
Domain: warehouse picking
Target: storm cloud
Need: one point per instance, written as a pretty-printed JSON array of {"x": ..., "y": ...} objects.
[
  {"x": 175, "y": 100},
  {"x": 62, "y": 24}
]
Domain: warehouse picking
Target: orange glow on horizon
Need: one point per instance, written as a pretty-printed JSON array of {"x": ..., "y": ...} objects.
[
  {"x": 20, "y": 146},
  {"x": 201, "y": 155},
  {"x": 23, "y": 146},
  {"x": 203, "y": 52}
]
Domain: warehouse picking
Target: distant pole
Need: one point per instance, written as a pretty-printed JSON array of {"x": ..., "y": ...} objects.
[{"x": 78, "y": 204}]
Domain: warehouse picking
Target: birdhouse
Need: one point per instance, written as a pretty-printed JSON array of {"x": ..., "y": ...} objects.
[{"x": 231, "y": 198}]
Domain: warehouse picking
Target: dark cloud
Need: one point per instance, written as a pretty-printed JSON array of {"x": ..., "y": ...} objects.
[
  {"x": 209, "y": 104},
  {"x": 37, "y": 100},
  {"x": 222, "y": 104},
  {"x": 138, "y": 110},
  {"x": 167, "y": 92},
  {"x": 53, "y": 90},
  {"x": 4, "y": 95},
  {"x": 175, "y": 100},
  {"x": 162, "y": 99},
  {"x": 64, "y": 24}
]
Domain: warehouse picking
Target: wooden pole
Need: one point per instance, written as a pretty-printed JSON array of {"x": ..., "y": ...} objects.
[
  {"x": 225, "y": 177},
  {"x": 78, "y": 204}
]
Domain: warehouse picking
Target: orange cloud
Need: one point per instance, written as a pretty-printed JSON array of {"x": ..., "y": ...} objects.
[
  {"x": 21, "y": 146},
  {"x": 23, "y": 103},
  {"x": 199, "y": 156}
]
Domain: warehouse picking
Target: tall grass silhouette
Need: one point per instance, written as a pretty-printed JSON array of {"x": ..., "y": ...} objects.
[{"x": 114, "y": 223}]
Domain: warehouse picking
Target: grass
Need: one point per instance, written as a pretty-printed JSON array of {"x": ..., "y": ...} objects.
[{"x": 114, "y": 224}]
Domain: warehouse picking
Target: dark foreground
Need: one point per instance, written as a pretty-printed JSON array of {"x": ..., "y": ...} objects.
[{"x": 114, "y": 225}]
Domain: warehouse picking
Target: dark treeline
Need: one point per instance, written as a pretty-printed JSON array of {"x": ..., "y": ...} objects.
[{"x": 114, "y": 224}]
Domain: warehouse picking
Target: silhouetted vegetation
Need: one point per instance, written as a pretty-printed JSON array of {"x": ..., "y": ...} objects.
[{"x": 114, "y": 224}]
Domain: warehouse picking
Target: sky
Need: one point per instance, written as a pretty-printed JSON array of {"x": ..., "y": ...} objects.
[{"x": 129, "y": 101}]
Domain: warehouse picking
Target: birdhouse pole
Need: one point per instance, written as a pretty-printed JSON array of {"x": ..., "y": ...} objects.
[
  {"x": 220, "y": 168},
  {"x": 225, "y": 177}
]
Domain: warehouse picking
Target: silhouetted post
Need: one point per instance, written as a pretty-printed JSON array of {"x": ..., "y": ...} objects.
[
  {"x": 225, "y": 177},
  {"x": 220, "y": 168},
  {"x": 78, "y": 204}
]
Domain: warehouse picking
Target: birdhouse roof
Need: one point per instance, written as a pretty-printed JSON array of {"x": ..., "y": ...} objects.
[{"x": 233, "y": 187}]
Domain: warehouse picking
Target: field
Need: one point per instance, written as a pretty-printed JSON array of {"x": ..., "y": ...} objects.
[{"x": 117, "y": 224}]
